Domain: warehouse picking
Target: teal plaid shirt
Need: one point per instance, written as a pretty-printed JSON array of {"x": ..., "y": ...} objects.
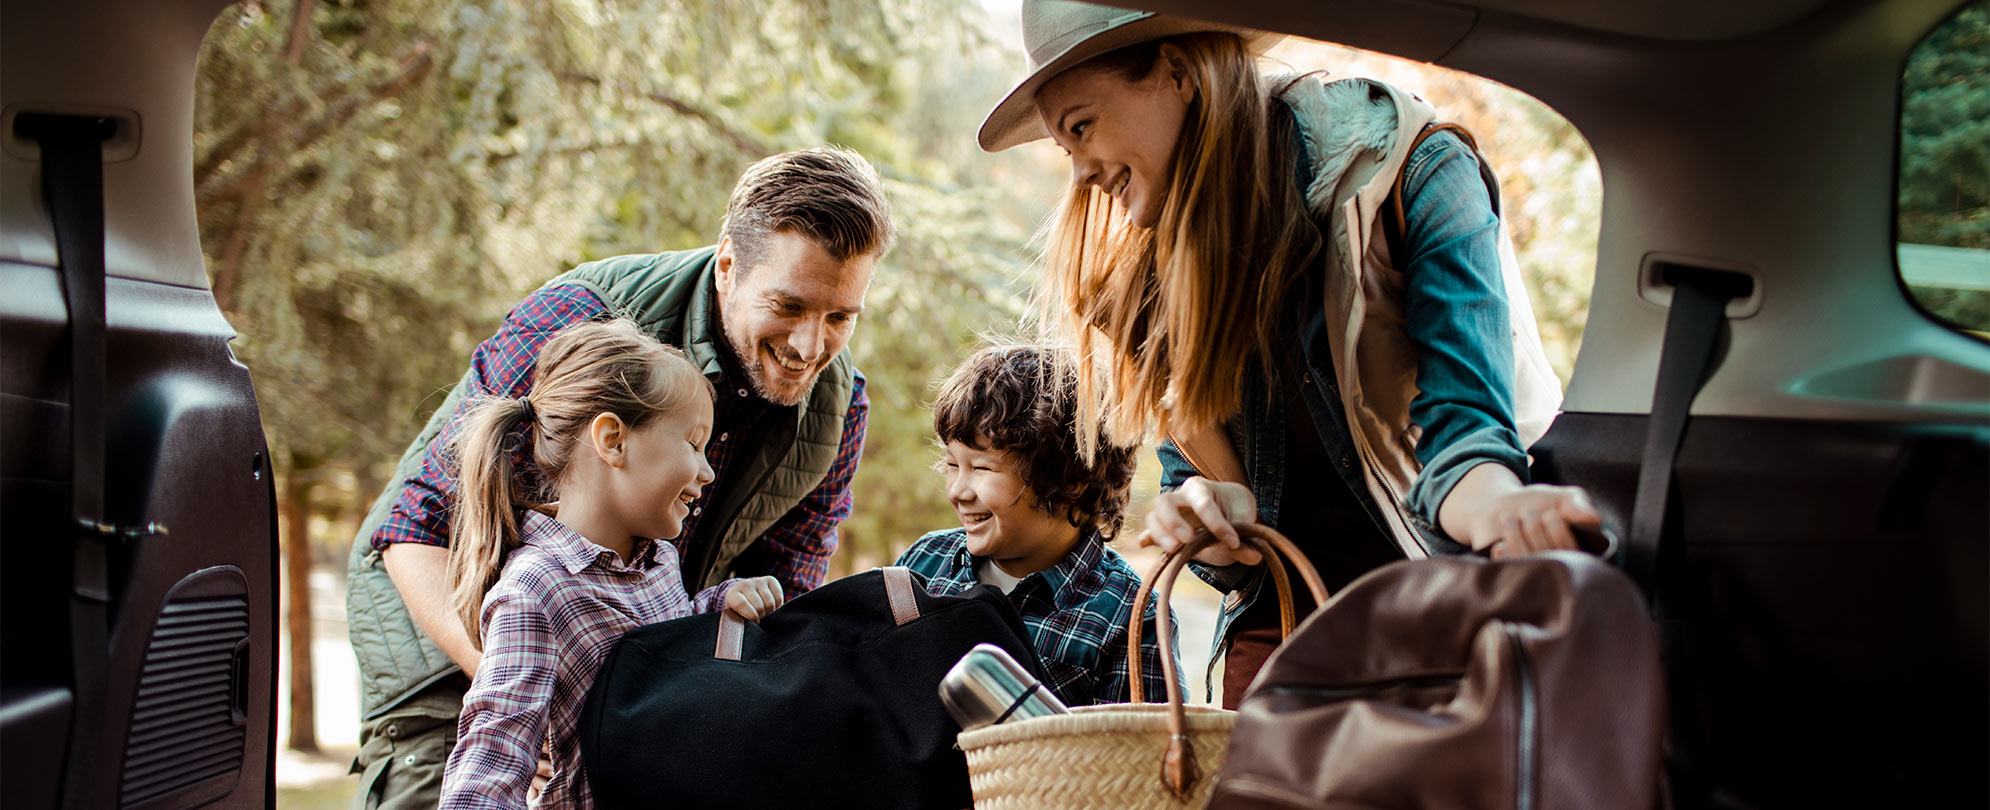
[{"x": 1076, "y": 611}]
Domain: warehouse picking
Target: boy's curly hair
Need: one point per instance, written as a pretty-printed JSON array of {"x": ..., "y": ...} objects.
[{"x": 1019, "y": 399}]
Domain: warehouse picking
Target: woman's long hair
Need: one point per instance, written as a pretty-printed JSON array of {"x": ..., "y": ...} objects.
[
  {"x": 585, "y": 370},
  {"x": 1163, "y": 321}
]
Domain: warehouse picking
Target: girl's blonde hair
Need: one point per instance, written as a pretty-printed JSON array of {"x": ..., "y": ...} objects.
[
  {"x": 585, "y": 370},
  {"x": 1163, "y": 321}
]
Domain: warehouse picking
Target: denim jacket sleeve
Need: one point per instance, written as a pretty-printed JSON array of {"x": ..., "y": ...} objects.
[
  {"x": 1175, "y": 469},
  {"x": 1456, "y": 313}
]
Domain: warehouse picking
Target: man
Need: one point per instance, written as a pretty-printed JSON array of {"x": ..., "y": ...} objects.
[{"x": 767, "y": 314}]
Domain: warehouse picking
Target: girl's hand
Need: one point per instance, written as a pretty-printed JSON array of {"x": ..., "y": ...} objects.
[
  {"x": 754, "y": 598},
  {"x": 1201, "y": 503},
  {"x": 1536, "y": 517}
]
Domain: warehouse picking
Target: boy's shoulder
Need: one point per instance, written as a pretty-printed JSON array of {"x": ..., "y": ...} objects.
[
  {"x": 934, "y": 551},
  {"x": 1115, "y": 574}
]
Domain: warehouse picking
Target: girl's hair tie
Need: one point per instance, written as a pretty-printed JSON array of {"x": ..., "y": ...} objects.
[{"x": 530, "y": 416}]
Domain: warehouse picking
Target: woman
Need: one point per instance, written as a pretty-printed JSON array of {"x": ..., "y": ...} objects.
[{"x": 1231, "y": 270}]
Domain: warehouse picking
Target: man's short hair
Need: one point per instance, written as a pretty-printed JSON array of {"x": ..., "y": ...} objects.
[
  {"x": 1019, "y": 399},
  {"x": 829, "y": 194}
]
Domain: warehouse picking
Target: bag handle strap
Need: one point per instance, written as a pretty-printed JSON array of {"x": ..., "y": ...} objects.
[
  {"x": 1178, "y": 769},
  {"x": 1397, "y": 224},
  {"x": 898, "y": 591}
]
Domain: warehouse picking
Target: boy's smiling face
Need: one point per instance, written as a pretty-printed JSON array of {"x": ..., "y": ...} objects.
[{"x": 986, "y": 489}]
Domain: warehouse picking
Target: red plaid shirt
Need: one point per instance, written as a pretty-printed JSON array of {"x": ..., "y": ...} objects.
[
  {"x": 558, "y": 608},
  {"x": 795, "y": 550}
]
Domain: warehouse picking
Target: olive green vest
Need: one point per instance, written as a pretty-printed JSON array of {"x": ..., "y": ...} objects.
[{"x": 668, "y": 295}]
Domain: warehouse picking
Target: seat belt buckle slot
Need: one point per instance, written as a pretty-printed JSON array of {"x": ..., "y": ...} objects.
[
  {"x": 22, "y": 129},
  {"x": 1661, "y": 274}
]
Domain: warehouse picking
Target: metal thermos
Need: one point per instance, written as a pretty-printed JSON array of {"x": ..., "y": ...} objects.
[{"x": 987, "y": 686}]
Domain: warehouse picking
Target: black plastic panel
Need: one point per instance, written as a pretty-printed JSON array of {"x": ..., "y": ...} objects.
[
  {"x": 186, "y": 740},
  {"x": 182, "y": 430},
  {"x": 1834, "y": 592}
]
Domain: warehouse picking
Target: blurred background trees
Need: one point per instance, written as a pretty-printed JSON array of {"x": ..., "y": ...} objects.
[
  {"x": 1944, "y": 210},
  {"x": 379, "y": 180}
]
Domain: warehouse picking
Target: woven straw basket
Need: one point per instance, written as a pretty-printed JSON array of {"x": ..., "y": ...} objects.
[{"x": 1120, "y": 756}]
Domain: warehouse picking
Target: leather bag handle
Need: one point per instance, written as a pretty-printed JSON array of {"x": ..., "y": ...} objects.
[
  {"x": 1398, "y": 218},
  {"x": 1178, "y": 769},
  {"x": 898, "y": 590}
]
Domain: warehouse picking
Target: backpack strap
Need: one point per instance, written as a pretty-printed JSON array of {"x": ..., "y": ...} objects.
[{"x": 1396, "y": 224}]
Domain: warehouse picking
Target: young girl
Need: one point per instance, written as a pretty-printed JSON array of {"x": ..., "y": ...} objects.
[{"x": 617, "y": 422}]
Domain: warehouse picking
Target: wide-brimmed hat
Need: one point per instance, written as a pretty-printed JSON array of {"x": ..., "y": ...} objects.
[{"x": 1060, "y": 34}]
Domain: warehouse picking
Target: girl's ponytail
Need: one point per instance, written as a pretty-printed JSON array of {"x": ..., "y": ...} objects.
[{"x": 485, "y": 525}]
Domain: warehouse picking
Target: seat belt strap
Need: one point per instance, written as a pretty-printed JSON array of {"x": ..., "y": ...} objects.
[
  {"x": 1685, "y": 360},
  {"x": 73, "y": 186}
]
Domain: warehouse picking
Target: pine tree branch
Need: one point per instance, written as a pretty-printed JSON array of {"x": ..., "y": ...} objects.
[
  {"x": 211, "y": 187},
  {"x": 740, "y": 140},
  {"x": 269, "y": 130}
]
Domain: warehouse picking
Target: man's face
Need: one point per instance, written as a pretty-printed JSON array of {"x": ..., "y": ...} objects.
[{"x": 789, "y": 316}]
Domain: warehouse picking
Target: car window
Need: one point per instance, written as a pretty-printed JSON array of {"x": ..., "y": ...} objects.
[{"x": 1944, "y": 207}]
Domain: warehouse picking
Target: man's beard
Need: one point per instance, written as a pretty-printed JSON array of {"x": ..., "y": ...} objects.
[{"x": 748, "y": 353}]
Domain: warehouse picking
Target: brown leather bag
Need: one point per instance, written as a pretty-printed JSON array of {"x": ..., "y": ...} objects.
[{"x": 1530, "y": 683}]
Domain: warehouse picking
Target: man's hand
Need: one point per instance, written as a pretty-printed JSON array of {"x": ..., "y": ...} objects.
[
  {"x": 421, "y": 573},
  {"x": 544, "y": 775},
  {"x": 754, "y": 598},
  {"x": 1204, "y": 504}
]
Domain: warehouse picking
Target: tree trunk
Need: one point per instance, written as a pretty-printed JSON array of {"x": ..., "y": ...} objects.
[{"x": 296, "y": 509}]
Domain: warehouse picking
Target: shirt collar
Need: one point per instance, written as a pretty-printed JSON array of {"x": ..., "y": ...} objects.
[
  {"x": 1072, "y": 580},
  {"x": 735, "y": 388},
  {"x": 576, "y": 553}
]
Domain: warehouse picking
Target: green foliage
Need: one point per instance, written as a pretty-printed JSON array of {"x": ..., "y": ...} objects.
[
  {"x": 1945, "y": 135},
  {"x": 1945, "y": 153}
]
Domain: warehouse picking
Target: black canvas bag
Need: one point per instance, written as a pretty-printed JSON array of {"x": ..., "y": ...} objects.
[{"x": 831, "y": 701}]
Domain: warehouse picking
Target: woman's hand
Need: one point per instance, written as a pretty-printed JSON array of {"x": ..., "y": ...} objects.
[
  {"x": 1204, "y": 504},
  {"x": 754, "y": 598},
  {"x": 1491, "y": 511},
  {"x": 1536, "y": 517}
]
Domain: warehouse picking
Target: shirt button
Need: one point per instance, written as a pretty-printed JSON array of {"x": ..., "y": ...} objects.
[
  {"x": 410, "y": 760},
  {"x": 1343, "y": 462},
  {"x": 722, "y": 436},
  {"x": 742, "y": 392},
  {"x": 695, "y": 510}
]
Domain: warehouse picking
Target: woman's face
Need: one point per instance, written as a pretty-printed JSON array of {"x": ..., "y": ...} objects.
[{"x": 1121, "y": 134}]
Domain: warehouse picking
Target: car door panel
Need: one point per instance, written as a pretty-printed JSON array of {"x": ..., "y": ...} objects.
[{"x": 188, "y": 703}]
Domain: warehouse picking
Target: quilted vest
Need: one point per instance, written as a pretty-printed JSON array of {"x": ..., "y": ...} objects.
[
  {"x": 667, "y": 295},
  {"x": 1357, "y": 134}
]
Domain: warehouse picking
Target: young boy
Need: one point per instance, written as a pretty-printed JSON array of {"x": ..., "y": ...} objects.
[{"x": 1035, "y": 521}]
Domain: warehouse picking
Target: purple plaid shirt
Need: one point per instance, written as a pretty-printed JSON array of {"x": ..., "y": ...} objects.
[
  {"x": 558, "y": 608},
  {"x": 795, "y": 550}
]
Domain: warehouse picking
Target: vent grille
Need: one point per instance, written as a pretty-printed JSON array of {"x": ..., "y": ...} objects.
[{"x": 183, "y": 732}]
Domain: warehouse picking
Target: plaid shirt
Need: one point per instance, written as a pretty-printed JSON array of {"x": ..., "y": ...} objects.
[
  {"x": 795, "y": 550},
  {"x": 558, "y": 608},
  {"x": 1076, "y": 612}
]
